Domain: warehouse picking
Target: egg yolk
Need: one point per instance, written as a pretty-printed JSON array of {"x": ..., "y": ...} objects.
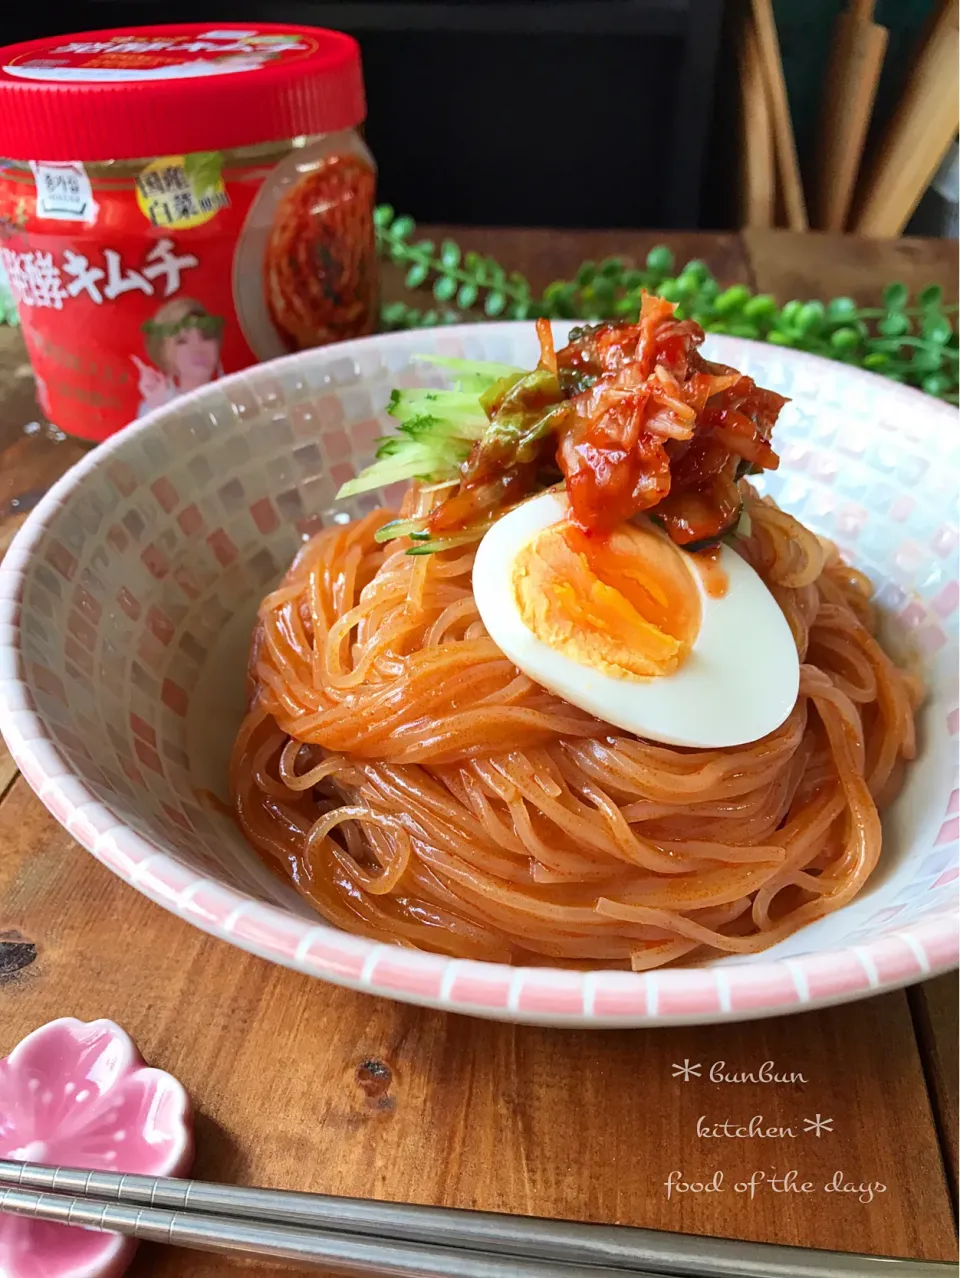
[{"x": 624, "y": 604}]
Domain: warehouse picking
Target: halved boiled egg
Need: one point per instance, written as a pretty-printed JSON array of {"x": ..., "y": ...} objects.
[{"x": 633, "y": 629}]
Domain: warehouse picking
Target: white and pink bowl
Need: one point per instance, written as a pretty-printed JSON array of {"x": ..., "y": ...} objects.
[{"x": 127, "y": 598}]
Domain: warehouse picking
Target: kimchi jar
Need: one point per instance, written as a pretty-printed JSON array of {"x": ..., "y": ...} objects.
[{"x": 178, "y": 202}]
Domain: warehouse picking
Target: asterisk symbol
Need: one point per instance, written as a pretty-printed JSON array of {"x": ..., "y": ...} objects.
[
  {"x": 686, "y": 1071},
  {"x": 818, "y": 1125}
]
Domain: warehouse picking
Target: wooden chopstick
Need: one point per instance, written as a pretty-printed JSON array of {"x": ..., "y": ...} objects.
[
  {"x": 920, "y": 133},
  {"x": 788, "y": 165},
  {"x": 850, "y": 87},
  {"x": 405, "y": 1238},
  {"x": 758, "y": 181}
]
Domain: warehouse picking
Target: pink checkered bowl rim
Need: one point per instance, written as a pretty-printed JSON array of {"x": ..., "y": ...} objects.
[{"x": 538, "y": 995}]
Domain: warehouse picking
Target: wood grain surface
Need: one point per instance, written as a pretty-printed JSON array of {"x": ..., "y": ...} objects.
[
  {"x": 789, "y": 265},
  {"x": 304, "y": 1085},
  {"x": 934, "y": 1006}
]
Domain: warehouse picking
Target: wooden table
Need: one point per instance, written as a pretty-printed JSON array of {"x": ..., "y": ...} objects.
[{"x": 302, "y": 1084}]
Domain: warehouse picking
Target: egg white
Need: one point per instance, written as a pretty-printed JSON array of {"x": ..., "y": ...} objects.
[{"x": 739, "y": 682}]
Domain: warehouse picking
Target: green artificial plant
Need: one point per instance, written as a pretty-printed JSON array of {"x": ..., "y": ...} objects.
[{"x": 908, "y": 340}]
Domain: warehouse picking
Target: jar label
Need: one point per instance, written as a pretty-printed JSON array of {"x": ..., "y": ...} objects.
[
  {"x": 182, "y": 191},
  {"x": 160, "y": 56},
  {"x": 64, "y": 192},
  {"x": 191, "y": 267}
]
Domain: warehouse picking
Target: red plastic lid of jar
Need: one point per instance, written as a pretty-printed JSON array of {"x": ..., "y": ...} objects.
[{"x": 129, "y": 92}]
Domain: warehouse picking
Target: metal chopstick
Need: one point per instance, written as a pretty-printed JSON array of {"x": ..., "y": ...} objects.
[
  {"x": 332, "y": 1251},
  {"x": 617, "y": 1247}
]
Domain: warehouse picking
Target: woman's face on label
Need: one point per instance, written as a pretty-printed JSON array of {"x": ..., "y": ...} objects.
[{"x": 192, "y": 357}]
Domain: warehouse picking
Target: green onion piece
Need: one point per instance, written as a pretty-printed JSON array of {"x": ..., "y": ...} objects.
[{"x": 401, "y": 528}]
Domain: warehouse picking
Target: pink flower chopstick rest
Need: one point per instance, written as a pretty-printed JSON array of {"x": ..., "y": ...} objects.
[{"x": 78, "y": 1094}]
